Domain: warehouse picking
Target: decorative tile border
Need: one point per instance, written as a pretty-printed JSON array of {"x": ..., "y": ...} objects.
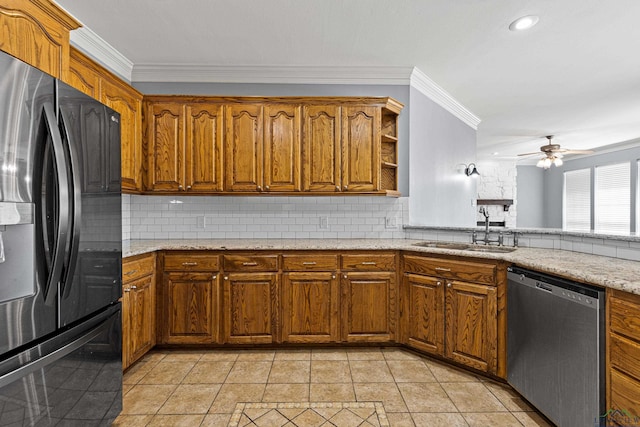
[{"x": 370, "y": 413}]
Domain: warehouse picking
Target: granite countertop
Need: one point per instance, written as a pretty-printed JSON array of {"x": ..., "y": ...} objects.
[{"x": 598, "y": 270}]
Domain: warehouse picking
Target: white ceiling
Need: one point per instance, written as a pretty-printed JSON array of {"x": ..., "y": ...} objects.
[{"x": 575, "y": 75}]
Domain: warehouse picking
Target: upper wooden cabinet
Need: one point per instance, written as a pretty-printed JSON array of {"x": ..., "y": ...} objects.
[
  {"x": 37, "y": 32},
  {"x": 282, "y": 128},
  {"x": 92, "y": 79},
  {"x": 243, "y": 147},
  {"x": 271, "y": 145},
  {"x": 322, "y": 148}
]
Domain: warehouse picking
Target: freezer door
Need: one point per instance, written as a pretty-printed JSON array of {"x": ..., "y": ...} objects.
[
  {"x": 74, "y": 379},
  {"x": 91, "y": 131}
]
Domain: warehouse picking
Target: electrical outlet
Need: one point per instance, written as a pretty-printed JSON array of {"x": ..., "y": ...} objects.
[
  {"x": 324, "y": 223},
  {"x": 391, "y": 222}
]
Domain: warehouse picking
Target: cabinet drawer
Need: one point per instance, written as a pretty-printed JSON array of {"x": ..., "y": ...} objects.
[
  {"x": 309, "y": 262},
  {"x": 250, "y": 262},
  {"x": 625, "y": 393},
  {"x": 625, "y": 355},
  {"x": 369, "y": 262},
  {"x": 467, "y": 271},
  {"x": 137, "y": 268},
  {"x": 190, "y": 262},
  {"x": 624, "y": 318}
]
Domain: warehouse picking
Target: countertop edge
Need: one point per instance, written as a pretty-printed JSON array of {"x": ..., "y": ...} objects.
[{"x": 597, "y": 270}]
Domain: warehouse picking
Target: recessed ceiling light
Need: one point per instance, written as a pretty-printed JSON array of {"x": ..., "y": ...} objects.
[
  {"x": 523, "y": 23},
  {"x": 495, "y": 153}
]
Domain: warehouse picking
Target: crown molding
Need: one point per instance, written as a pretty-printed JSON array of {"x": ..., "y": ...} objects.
[
  {"x": 97, "y": 48},
  {"x": 198, "y": 73},
  {"x": 428, "y": 87}
]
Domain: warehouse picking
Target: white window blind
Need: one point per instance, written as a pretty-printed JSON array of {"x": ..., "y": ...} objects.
[
  {"x": 576, "y": 210},
  {"x": 612, "y": 195}
]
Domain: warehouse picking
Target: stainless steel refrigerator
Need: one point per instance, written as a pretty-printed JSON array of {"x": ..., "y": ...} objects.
[{"x": 60, "y": 253}]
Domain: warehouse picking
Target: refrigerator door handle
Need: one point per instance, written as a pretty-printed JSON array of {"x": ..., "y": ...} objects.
[
  {"x": 58, "y": 258},
  {"x": 75, "y": 205}
]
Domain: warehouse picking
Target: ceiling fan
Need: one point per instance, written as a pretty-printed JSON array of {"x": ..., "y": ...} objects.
[{"x": 553, "y": 154}]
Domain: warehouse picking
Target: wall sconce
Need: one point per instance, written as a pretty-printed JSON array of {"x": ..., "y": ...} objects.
[{"x": 471, "y": 170}]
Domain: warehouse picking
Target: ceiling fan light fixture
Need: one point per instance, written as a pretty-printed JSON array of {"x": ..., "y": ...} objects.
[
  {"x": 558, "y": 162},
  {"x": 524, "y": 23}
]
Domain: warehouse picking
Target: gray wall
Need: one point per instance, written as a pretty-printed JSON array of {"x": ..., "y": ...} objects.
[
  {"x": 530, "y": 198},
  {"x": 400, "y": 93},
  {"x": 553, "y": 181},
  {"x": 440, "y": 142}
]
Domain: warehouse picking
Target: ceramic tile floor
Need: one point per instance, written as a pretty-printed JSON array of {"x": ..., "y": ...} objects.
[{"x": 205, "y": 388}]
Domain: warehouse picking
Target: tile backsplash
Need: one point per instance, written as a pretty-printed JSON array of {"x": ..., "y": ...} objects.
[{"x": 237, "y": 217}]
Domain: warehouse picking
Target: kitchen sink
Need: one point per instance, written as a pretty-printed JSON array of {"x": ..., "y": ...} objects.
[
  {"x": 490, "y": 249},
  {"x": 443, "y": 245},
  {"x": 464, "y": 247}
]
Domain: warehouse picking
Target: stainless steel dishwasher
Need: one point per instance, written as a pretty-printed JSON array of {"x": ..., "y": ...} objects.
[{"x": 555, "y": 346}]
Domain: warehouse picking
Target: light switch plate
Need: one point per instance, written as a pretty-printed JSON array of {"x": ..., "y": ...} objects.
[
  {"x": 324, "y": 223},
  {"x": 391, "y": 222}
]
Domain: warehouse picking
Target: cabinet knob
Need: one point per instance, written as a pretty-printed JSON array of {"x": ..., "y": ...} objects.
[
  {"x": 337, "y": 188},
  {"x": 345, "y": 276},
  {"x": 188, "y": 187},
  {"x": 333, "y": 276},
  {"x": 438, "y": 283},
  {"x": 346, "y": 187},
  {"x": 214, "y": 277},
  {"x": 448, "y": 284},
  {"x": 266, "y": 187},
  {"x": 134, "y": 287},
  {"x": 226, "y": 277},
  {"x": 259, "y": 188},
  {"x": 126, "y": 290},
  {"x": 179, "y": 187}
]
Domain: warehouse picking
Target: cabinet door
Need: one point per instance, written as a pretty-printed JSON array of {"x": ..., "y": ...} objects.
[
  {"x": 321, "y": 144},
  {"x": 282, "y": 148},
  {"x": 204, "y": 148},
  {"x": 310, "y": 307},
  {"x": 126, "y": 327},
  {"x": 190, "y": 313},
  {"x": 471, "y": 325},
  {"x": 82, "y": 75},
  {"x": 368, "y": 306},
  {"x": 360, "y": 148},
  {"x": 128, "y": 103},
  {"x": 250, "y": 308},
  {"x": 165, "y": 139},
  {"x": 425, "y": 313},
  {"x": 243, "y": 147},
  {"x": 142, "y": 316}
]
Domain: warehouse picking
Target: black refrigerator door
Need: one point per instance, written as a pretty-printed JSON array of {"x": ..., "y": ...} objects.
[
  {"x": 24, "y": 132},
  {"x": 74, "y": 379},
  {"x": 91, "y": 131}
]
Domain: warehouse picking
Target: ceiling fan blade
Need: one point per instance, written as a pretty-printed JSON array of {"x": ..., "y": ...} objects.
[
  {"x": 570, "y": 151},
  {"x": 529, "y": 154}
]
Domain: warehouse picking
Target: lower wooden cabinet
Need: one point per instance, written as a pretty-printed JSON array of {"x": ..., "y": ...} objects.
[
  {"x": 250, "y": 308},
  {"x": 623, "y": 371},
  {"x": 368, "y": 297},
  {"x": 310, "y": 307},
  {"x": 190, "y": 298},
  {"x": 138, "y": 308},
  {"x": 452, "y": 318}
]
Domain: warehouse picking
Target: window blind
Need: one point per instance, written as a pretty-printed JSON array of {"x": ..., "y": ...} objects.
[
  {"x": 576, "y": 210},
  {"x": 612, "y": 196}
]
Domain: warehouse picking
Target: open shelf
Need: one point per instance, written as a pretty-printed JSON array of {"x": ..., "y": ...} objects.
[{"x": 505, "y": 203}]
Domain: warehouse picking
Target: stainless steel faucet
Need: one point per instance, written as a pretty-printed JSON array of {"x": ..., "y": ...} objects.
[{"x": 487, "y": 240}]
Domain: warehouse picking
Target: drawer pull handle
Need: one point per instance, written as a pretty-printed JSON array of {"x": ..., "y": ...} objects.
[
  {"x": 368, "y": 263},
  {"x": 249, "y": 264},
  {"x": 442, "y": 269},
  {"x": 129, "y": 273},
  {"x": 189, "y": 264},
  {"x": 98, "y": 266},
  {"x": 309, "y": 263}
]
